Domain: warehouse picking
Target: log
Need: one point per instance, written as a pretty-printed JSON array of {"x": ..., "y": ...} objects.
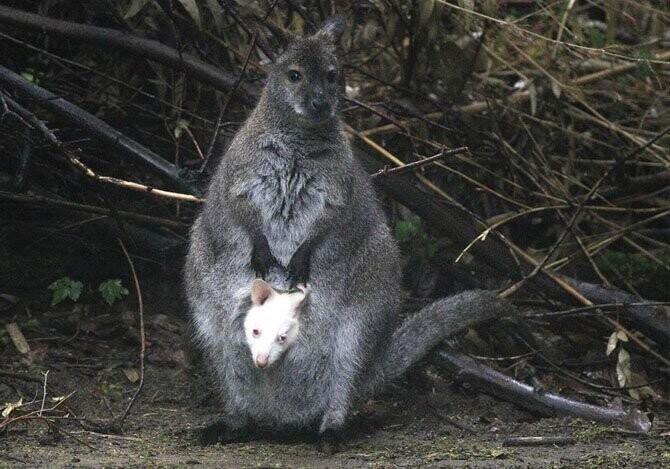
[
  {"x": 103, "y": 131},
  {"x": 529, "y": 398}
]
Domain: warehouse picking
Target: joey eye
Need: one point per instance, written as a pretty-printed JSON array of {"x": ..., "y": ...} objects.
[
  {"x": 256, "y": 333},
  {"x": 281, "y": 339},
  {"x": 331, "y": 76},
  {"x": 294, "y": 75}
]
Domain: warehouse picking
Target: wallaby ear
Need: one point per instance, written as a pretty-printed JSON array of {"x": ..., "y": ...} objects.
[
  {"x": 332, "y": 28},
  {"x": 260, "y": 292}
]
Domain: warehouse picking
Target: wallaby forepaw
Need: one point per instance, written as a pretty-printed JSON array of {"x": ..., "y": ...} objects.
[
  {"x": 330, "y": 442},
  {"x": 262, "y": 259},
  {"x": 298, "y": 266}
]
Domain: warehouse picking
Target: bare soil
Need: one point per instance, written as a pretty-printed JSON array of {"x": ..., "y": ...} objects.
[{"x": 92, "y": 350}]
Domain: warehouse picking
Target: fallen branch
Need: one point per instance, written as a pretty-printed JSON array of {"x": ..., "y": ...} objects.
[
  {"x": 654, "y": 321},
  {"x": 148, "y": 48},
  {"x": 106, "y": 133},
  {"x": 500, "y": 254},
  {"x": 78, "y": 164},
  {"x": 527, "y": 397}
]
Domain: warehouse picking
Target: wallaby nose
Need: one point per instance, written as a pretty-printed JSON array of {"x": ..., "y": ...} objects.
[
  {"x": 318, "y": 101},
  {"x": 262, "y": 361}
]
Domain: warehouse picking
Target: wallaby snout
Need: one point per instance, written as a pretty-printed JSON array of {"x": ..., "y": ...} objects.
[{"x": 319, "y": 102}]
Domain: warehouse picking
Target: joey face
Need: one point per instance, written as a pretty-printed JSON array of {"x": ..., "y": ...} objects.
[
  {"x": 271, "y": 326},
  {"x": 267, "y": 342},
  {"x": 308, "y": 77}
]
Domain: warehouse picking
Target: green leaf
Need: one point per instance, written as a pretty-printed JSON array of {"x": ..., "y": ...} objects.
[
  {"x": 28, "y": 76},
  {"x": 112, "y": 290},
  {"x": 64, "y": 288},
  {"x": 407, "y": 229},
  {"x": 596, "y": 38}
]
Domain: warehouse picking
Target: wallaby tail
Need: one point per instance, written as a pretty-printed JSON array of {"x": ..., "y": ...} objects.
[{"x": 422, "y": 331}]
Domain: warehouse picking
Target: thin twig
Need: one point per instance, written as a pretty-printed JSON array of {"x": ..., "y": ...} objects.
[
  {"x": 418, "y": 164},
  {"x": 122, "y": 417},
  {"x": 44, "y": 392},
  {"x": 66, "y": 205}
]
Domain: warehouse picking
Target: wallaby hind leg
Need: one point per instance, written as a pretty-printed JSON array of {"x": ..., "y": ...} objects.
[{"x": 329, "y": 442}]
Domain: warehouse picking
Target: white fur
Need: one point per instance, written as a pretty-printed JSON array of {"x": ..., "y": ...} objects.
[{"x": 271, "y": 326}]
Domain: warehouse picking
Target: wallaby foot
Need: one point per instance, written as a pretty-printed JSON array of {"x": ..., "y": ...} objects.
[
  {"x": 220, "y": 432},
  {"x": 329, "y": 442}
]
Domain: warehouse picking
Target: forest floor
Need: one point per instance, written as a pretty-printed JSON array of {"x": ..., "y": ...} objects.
[{"x": 92, "y": 351}]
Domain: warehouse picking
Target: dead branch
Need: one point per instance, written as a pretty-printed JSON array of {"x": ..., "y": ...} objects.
[
  {"x": 106, "y": 133},
  {"x": 516, "y": 98},
  {"x": 460, "y": 228},
  {"x": 527, "y": 397},
  {"x": 654, "y": 321},
  {"x": 150, "y": 49},
  {"x": 79, "y": 165}
]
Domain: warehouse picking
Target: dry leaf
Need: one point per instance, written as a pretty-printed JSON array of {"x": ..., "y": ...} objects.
[
  {"x": 10, "y": 406},
  {"x": 623, "y": 368},
  {"x": 132, "y": 374},
  {"x": 18, "y": 339},
  {"x": 611, "y": 343}
]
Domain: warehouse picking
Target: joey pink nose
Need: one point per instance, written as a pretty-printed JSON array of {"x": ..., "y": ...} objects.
[{"x": 262, "y": 361}]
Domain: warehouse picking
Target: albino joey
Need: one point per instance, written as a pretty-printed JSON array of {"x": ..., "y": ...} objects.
[{"x": 271, "y": 325}]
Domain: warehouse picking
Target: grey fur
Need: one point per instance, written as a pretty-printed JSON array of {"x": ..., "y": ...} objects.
[{"x": 291, "y": 177}]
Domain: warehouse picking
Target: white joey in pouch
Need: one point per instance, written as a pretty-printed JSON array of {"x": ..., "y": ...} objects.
[{"x": 271, "y": 326}]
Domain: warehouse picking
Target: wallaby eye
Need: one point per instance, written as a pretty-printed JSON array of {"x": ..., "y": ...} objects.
[
  {"x": 294, "y": 76},
  {"x": 281, "y": 339},
  {"x": 331, "y": 76},
  {"x": 256, "y": 333}
]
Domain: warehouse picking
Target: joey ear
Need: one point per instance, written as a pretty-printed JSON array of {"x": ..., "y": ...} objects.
[
  {"x": 299, "y": 298},
  {"x": 332, "y": 28},
  {"x": 260, "y": 292}
]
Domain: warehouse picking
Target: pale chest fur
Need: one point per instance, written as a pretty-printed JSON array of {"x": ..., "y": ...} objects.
[{"x": 290, "y": 195}]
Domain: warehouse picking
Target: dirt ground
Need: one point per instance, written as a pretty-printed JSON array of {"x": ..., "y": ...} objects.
[{"x": 92, "y": 351}]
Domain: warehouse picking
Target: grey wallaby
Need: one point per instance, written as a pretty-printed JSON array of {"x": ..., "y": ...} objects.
[{"x": 289, "y": 197}]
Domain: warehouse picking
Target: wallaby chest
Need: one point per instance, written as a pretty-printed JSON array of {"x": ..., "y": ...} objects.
[{"x": 289, "y": 190}]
